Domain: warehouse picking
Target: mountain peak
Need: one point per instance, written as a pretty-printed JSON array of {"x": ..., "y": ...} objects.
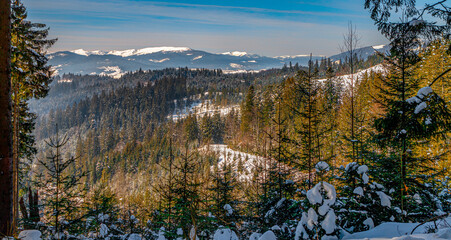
[
  {"x": 148, "y": 50},
  {"x": 235, "y": 53},
  {"x": 131, "y": 52},
  {"x": 87, "y": 53}
]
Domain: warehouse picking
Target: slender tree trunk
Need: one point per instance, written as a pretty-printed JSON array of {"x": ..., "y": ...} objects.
[
  {"x": 6, "y": 180},
  {"x": 15, "y": 124}
]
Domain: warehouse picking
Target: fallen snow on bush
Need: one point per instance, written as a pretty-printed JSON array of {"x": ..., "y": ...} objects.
[
  {"x": 30, "y": 235},
  {"x": 268, "y": 235},
  {"x": 225, "y": 234}
]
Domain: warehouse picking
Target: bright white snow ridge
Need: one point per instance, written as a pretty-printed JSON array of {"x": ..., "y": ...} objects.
[{"x": 131, "y": 52}]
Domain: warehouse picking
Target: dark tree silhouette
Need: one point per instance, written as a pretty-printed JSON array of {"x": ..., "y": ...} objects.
[{"x": 5, "y": 121}]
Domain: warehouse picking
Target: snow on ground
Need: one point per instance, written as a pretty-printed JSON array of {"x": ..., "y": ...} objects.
[
  {"x": 268, "y": 235},
  {"x": 358, "y": 75},
  {"x": 249, "y": 162},
  {"x": 401, "y": 231},
  {"x": 199, "y": 108},
  {"x": 241, "y": 71},
  {"x": 229, "y": 156},
  {"x": 30, "y": 235},
  {"x": 236, "y": 65},
  {"x": 378, "y": 47},
  {"x": 159, "y": 61},
  {"x": 198, "y": 57},
  {"x": 225, "y": 234},
  {"x": 385, "y": 231},
  {"x": 112, "y": 71},
  {"x": 291, "y": 56}
]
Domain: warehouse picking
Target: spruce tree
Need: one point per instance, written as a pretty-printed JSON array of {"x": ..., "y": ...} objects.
[
  {"x": 61, "y": 189},
  {"x": 30, "y": 78},
  {"x": 309, "y": 132},
  {"x": 407, "y": 120},
  {"x": 224, "y": 204},
  {"x": 248, "y": 110},
  {"x": 362, "y": 204}
]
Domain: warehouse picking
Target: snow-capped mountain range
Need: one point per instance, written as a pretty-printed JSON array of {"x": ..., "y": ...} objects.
[{"x": 117, "y": 62}]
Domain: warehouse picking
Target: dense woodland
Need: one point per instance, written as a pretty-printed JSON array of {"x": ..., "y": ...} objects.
[{"x": 306, "y": 154}]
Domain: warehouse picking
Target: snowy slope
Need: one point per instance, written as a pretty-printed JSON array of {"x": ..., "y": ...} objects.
[
  {"x": 346, "y": 79},
  {"x": 199, "y": 108},
  {"x": 230, "y": 156},
  {"x": 250, "y": 162}
]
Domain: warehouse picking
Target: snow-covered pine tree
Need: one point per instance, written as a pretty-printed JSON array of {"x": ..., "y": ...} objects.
[
  {"x": 102, "y": 212},
  {"x": 362, "y": 204},
  {"x": 409, "y": 121},
  {"x": 319, "y": 222}
]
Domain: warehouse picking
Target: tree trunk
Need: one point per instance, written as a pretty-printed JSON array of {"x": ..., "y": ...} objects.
[{"x": 6, "y": 182}]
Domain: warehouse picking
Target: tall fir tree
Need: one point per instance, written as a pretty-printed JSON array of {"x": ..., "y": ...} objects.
[{"x": 30, "y": 78}]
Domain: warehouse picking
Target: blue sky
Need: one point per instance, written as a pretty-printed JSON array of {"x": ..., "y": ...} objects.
[{"x": 271, "y": 28}]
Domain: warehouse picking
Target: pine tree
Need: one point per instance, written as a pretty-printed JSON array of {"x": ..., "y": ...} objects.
[
  {"x": 319, "y": 222},
  {"x": 223, "y": 205},
  {"x": 332, "y": 94},
  {"x": 191, "y": 128},
  {"x": 247, "y": 110},
  {"x": 187, "y": 200},
  {"x": 362, "y": 204},
  {"x": 308, "y": 129},
  {"x": 406, "y": 122},
  {"x": 30, "y": 78},
  {"x": 60, "y": 189}
]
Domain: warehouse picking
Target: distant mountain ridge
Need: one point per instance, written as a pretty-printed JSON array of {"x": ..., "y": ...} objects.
[{"x": 117, "y": 62}]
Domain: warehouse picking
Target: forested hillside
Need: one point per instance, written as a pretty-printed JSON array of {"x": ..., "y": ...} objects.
[
  {"x": 290, "y": 120},
  {"x": 354, "y": 147}
]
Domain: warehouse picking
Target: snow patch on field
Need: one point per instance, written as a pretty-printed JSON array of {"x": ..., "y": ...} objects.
[
  {"x": 229, "y": 156},
  {"x": 235, "y": 65},
  {"x": 198, "y": 57},
  {"x": 378, "y": 47},
  {"x": 200, "y": 108},
  {"x": 112, "y": 71},
  {"x": 241, "y": 71},
  {"x": 159, "y": 61}
]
